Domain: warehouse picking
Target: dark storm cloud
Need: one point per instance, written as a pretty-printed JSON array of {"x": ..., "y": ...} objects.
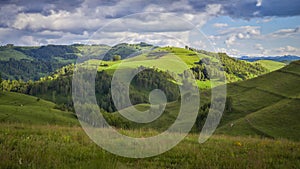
[
  {"x": 253, "y": 8},
  {"x": 54, "y": 19},
  {"x": 42, "y": 6},
  {"x": 233, "y": 8},
  {"x": 280, "y": 8}
]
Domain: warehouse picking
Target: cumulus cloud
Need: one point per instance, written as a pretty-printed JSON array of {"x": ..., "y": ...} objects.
[
  {"x": 60, "y": 21},
  {"x": 8, "y": 14},
  {"x": 258, "y": 3},
  {"x": 259, "y": 47},
  {"x": 238, "y": 33},
  {"x": 231, "y": 52},
  {"x": 64, "y": 22},
  {"x": 287, "y": 50},
  {"x": 91, "y": 15}
]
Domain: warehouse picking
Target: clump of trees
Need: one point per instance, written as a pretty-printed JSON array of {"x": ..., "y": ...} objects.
[
  {"x": 116, "y": 58},
  {"x": 58, "y": 87},
  {"x": 234, "y": 69}
]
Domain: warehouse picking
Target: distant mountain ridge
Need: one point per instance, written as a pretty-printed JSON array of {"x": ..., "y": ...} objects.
[{"x": 285, "y": 58}]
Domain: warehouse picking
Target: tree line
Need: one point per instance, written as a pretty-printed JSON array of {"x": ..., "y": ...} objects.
[{"x": 58, "y": 87}]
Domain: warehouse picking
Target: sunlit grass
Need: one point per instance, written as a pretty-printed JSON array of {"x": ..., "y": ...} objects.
[{"x": 36, "y": 146}]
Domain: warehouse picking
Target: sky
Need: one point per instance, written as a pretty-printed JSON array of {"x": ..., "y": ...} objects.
[{"x": 237, "y": 27}]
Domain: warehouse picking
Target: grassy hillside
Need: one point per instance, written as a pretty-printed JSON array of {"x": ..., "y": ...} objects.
[
  {"x": 24, "y": 109},
  {"x": 126, "y": 50},
  {"x": 92, "y": 50},
  {"x": 271, "y": 65},
  {"x": 177, "y": 60},
  {"x": 10, "y": 53},
  {"x": 267, "y": 105},
  {"x": 37, "y": 146}
]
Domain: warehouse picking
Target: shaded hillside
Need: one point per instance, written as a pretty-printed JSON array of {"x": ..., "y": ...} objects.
[
  {"x": 267, "y": 105},
  {"x": 125, "y": 50},
  {"x": 32, "y": 63}
]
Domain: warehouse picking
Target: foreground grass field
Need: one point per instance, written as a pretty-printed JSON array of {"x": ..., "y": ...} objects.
[{"x": 51, "y": 146}]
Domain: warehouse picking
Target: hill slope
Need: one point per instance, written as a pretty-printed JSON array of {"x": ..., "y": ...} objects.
[
  {"x": 270, "y": 64},
  {"x": 267, "y": 105},
  {"x": 177, "y": 60},
  {"x": 24, "y": 109}
]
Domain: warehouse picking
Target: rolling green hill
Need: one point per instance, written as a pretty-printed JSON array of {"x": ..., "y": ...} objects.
[
  {"x": 24, "y": 109},
  {"x": 177, "y": 60},
  {"x": 270, "y": 64},
  {"x": 267, "y": 105},
  {"x": 126, "y": 50}
]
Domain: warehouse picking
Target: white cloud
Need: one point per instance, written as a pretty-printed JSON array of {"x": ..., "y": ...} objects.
[
  {"x": 258, "y": 47},
  {"x": 238, "y": 33},
  {"x": 285, "y": 33},
  {"x": 56, "y": 20},
  {"x": 258, "y": 3},
  {"x": 89, "y": 17},
  {"x": 231, "y": 52},
  {"x": 30, "y": 41},
  {"x": 262, "y": 51},
  {"x": 252, "y": 30},
  {"x": 199, "y": 45},
  {"x": 265, "y": 20},
  {"x": 220, "y": 25},
  {"x": 230, "y": 40},
  {"x": 287, "y": 50}
]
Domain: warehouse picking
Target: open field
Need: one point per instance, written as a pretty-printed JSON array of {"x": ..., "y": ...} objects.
[{"x": 52, "y": 146}]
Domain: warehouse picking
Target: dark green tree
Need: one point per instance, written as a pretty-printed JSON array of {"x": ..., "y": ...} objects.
[
  {"x": 116, "y": 58},
  {"x": 229, "y": 103}
]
